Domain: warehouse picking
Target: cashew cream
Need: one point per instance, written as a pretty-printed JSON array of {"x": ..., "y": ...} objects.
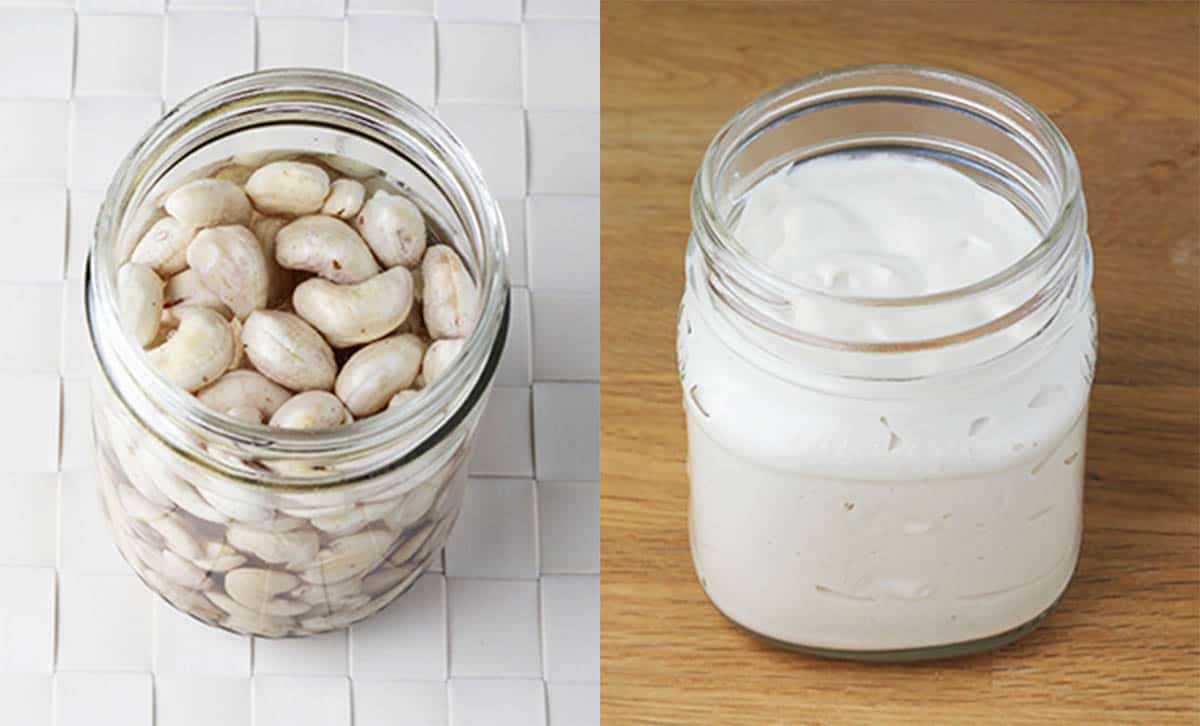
[{"x": 854, "y": 522}]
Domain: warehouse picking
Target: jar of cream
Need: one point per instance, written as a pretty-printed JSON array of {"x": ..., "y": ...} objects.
[{"x": 886, "y": 346}]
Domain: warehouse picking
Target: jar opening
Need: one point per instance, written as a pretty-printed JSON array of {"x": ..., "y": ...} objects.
[
  {"x": 988, "y": 134},
  {"x": 316, "y": 112}
]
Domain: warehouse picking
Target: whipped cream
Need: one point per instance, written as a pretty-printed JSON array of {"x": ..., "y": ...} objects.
[{"x": 860, "y": 523}]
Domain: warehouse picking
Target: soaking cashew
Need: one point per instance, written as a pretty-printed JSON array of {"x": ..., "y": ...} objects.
[
  {"x": 247, "y": 390},
  {"x": 199, "y": 352},
  {"x": 234, "y": 173},
  {"x": 402, "y": 398},
  {"x": 345, "y": 199},
  {"x": 438, "y": 358},
  {"x": 230, "y": 262},
  {"x": 208, "y": 203},
  {"x": 286, "y": 349},
  {"x": 394, "y": 228},
  {"x": 187, "y": 289},
  {"x": 327, "y": 246},
  {"x": 140, "y": 298},
  {"x": 449, "y": 292},
  {"x": 351, "y": 314},
  {"x": 266, "y": 229},
  {"x": 259, "y": 591},
  {"x": 349, "y": 167},
  {"x": 288, "y": 187},
  {"x": 377, "y": 372},
  {"x": 164, "y": 246},
  {"x": 311, "y": 410},
  {"x": 297, "y": 546}
]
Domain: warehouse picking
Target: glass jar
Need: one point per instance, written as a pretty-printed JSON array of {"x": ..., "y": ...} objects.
[
  {"x": 276, "y": 532},
  {"x": 897, "y": 499}
]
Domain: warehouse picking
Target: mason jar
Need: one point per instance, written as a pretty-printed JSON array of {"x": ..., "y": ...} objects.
[
  {"x": 269, "y": 531},
  {"x": 902, "y": 497}
]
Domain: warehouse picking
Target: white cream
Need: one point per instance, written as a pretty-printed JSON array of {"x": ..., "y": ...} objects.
[{"x": 860, "y": 523}]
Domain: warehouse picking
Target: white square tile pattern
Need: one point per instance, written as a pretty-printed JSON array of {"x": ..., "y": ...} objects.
[
  {"x": 82, "y": 642},
  {"x": 479, "y": 62},
  {"x": 498, "y": 535},
  {"x": 400, "y": 703},
  {"x": 39, "y": 43},
  {"x": 494, "y": 628},
  {"x": 27, "y": 700}
]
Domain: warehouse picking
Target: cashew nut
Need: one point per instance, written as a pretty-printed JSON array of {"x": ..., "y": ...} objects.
[
  {"x": 230, "y": 262},
  {"x": 348, "y": 166},
  {"x": 288, "y": 187},
  {"x": 438, "y": 358},
  {"x": 348, "y": 556},
  {"x": 295, "y": 547},
  {"x": 186, "y": 288},
  {"x": 327, "y": 246},
  {"x": 311, "y": 410},
  {"x": 450, "y": 297},
  {"x": 259, "y": 591},
  {"x": 164, "y": 246},
  {"x": 394, "y": 228},
  {"x": 266, "y": 230},
  {"x": 208, "y": 203},
  {"x": 199, "y": 352},
  {"x": 245, "y": 390},
  {"x": 234, "y": 173},
  {"x": 377, "y": 372},
  {"x": 352, "y": 314},
  {"x": 140, "y": 296},
  {"x": 286, "y": 349},
  {"x": 345, "y": 199},
  {"x": 402, "y": 398}
]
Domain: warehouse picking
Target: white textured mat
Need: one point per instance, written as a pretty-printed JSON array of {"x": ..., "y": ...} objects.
[{"x": 508, "y": 634}]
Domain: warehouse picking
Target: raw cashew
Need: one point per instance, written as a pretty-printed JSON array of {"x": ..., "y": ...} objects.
[
  {"x": 438, "y": 358},
  {"x": 449, "y": 292},
  {"x": 199, "y": 351},
  {"x": 258, "y": 158},
  {"x": 219, "y": 557},
  {"x": 248, "y": 414},
  {"x": 288, "y": 187},
  {"x": 348, "y": 556},
  {"x": 234, "y": 173},
  {"x": 295, "y": 547},
  {"x": 186, "y": 288},
  {"x": 230, "y": 262},
  {"x": 246, "y": 390},
  {"x": 352, "y": 314},
  {"x": 164, "y": 246},
  {"x": 259, "y": 590},
  {"x": 345, "y": 199},
  {"x": 402, "y": 398},
  {"x": 348, "y": 166},
  {"x": 311, "y": 410},
  {"x": 377, "y": 372},
  {"x": 289, "y": 351},
  {"x": 208, "y": 203},
  {"x": 140, "y": 296},
  {"x": 327, "y": 246},
  {"x": 266, "y": 229},
  {"x": 386, "y": 578},
  {"x": 394, "y": 228}
]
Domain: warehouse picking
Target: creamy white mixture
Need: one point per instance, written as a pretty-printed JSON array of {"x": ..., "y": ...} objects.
[{"x": 857, "y": 523}]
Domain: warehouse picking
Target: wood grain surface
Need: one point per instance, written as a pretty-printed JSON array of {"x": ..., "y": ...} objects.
[{"x": 1121, "y": 80}]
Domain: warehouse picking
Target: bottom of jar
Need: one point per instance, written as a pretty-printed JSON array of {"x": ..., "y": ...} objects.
[{"x": 912, "y": 655}]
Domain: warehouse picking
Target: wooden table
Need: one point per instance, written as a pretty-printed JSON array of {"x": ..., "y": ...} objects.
[{"x": 1121, "y": 81}]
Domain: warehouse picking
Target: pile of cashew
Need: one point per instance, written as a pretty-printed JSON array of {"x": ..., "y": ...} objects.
[
  {"x": 273, "y": 269},
  {"x": 279, "y": 292}
]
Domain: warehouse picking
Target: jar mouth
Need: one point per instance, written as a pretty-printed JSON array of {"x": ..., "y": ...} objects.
[
  {"x": 346, "y": 104},
  {"x": 1023, "y": 123}
]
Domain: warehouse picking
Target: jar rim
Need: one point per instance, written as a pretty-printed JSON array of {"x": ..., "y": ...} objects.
[
  {"x": 719, "y": 240},
  {"x": 363, "y": 104}
]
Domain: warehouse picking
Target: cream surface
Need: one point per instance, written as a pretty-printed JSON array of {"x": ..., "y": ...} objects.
[
  {"x": 882, "y": 225},
  {"x": 856, "y": 523}
]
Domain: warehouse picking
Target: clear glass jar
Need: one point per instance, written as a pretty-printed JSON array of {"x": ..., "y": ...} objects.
[
  {"x": 899, "y": 500},
  {"x": 314, "y": 530}
]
